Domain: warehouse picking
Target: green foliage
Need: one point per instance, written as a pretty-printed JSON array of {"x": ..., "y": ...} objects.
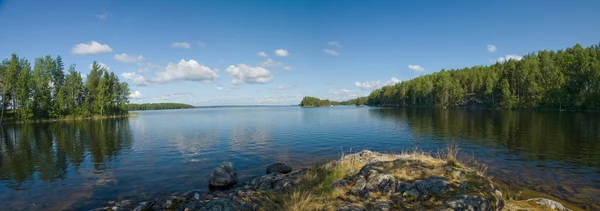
[
  {"x": 565, "y": 79},
  {"x": 46, "y": 93},
  {"x": 316, "y": 102},
  {"x": 157, "y": 106}
]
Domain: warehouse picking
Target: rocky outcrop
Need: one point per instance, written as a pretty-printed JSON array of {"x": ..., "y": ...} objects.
[
  {"x": 392, "y": 183},
  {"x": 371, "y": 181},
  {"x": 224, "y": 176},
  {"x": 279, "y": 167}
]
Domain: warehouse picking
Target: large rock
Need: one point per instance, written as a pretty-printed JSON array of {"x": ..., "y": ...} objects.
[
  {"x": 279, "y": 167},
  {"x": 550, "y": 204},
  {"x": 223, "y": 176}
]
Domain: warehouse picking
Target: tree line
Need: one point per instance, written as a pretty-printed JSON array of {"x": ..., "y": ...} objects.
[
  {"x": 566, "y": 79},
  {"x": 316, "y": 102},
  {"x": 158, "y": 106},
  {"x": 48, "y": 92}
]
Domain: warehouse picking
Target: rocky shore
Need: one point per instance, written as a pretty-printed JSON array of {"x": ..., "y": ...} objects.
[{"x": 361, "y": 181}]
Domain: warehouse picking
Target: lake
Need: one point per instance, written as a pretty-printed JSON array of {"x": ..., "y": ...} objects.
[{"x": 83, "y": 164}]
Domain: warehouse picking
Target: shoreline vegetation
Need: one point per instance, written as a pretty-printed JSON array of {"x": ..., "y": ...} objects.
[
  {"x": 412, "y": 180},
  {"x": 157, "y": 106},
  {"x": 74, "y": 118},
  {"x": 554, "y": 80},
  {"x": 47, "y": 93}
]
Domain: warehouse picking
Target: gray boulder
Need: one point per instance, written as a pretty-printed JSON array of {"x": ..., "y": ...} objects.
[
  {"x": 550, "y": 204},
  {"x": 383, "y": 183},
  {"x": 223, "y": 176},
  {"x": 469, "y": 203},
  {"x": 433, "y": 185},
  {"x": 279, "y": 167}
]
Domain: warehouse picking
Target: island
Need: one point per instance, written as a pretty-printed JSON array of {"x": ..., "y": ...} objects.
[
  {"x": 157, "y": 106},
  {"x": 316, "y": 102}
]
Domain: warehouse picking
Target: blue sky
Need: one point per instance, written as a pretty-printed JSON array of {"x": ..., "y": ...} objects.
[{"x": 207, "y": 52}]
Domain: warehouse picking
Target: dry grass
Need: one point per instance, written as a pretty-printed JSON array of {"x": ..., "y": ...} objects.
[
  {"x": 450, "y": 155},
  {"x": 293, "y": 201}
]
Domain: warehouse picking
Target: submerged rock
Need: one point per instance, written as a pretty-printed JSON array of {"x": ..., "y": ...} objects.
[
  {"x": 279, "y": 167},
  {"x": 223, "y": 176}
]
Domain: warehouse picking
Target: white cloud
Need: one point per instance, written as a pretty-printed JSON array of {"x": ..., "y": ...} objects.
[
  {"x": 281, "y": 52},
  {"x": 262, "y": 54},
  {"x": 339, "y": 92},
  {"x": 491, "y": 48},
  {"x": 509, "y": 57},
  {"x": 135, "y": 94},
  {"x": 103, "y": 16},
  {"x": 287, "y": 68},
  {"x": 137, "y": 79},
  {"x": 242, "y": 73},
  {"x": 181, "y": 45},
  {"x": 331, "y": 52},
  {"x": 219, "y": 88},
  {"x": 189, "y": 70},
  {"x": 334, "y": 43},
  {"x": 126, "y": 58},
  {"x": 170, "y": 96},
  {"x": 101, "y": 65},
  {"x": 270, "y": 63},
  {"x": 417, "y": 68},
  {"x": 370, "y": 85},
  {"x": 91, "y": 48}
]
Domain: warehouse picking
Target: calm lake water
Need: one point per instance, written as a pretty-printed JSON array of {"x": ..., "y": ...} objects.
[{"x": 82, "y": 164}]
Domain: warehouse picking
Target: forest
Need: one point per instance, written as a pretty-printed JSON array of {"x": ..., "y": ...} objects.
[
  {"x": 157, "y": 106},
  {"x": 47, "y": 91},
  {"x": 316, "y": 102},
  {"x": 565, "y": 79}
]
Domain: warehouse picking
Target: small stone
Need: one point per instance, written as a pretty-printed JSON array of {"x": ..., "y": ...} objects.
[
  {"x": 196, "y": 196},
  {"x": 382, "y": 206},
  {"x": 468, "y": 203},
  {"x": 279, "y": 167}
]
